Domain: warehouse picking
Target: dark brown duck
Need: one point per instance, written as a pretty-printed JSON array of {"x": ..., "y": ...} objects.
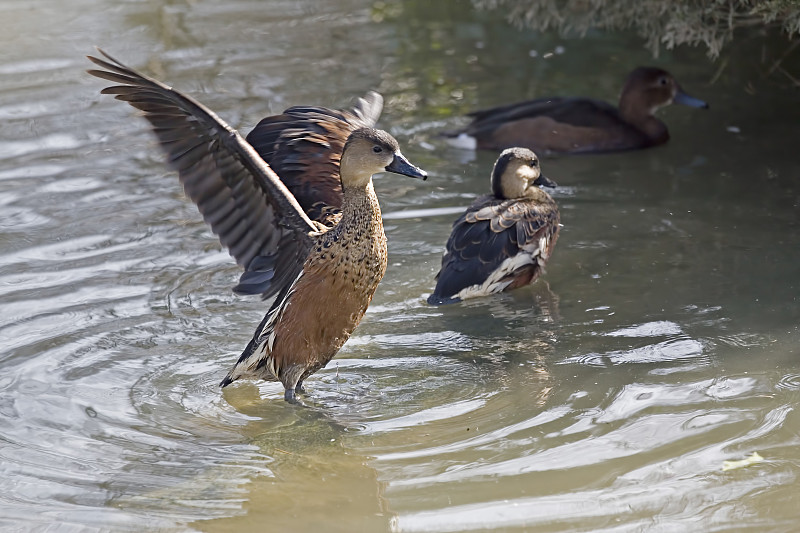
[
  {"x": 505, "y": 238},
  {"x": 581, "y": 125},
  {"x": 324, "y": 276}
]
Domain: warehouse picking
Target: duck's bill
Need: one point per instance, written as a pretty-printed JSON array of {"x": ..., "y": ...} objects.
[
  {"x": 401, "y": 165},
  {"x": 544, "y": 181},
  {"x": 684, "y": 99}
]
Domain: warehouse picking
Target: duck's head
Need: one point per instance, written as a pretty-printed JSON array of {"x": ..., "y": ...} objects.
[
  {"x": 517, "y": 174},
  {"x": 369, "y": 151},
  {"x": 649, "y": 88}
]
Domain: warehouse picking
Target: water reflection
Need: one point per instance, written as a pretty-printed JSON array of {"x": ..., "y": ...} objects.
[{"x": 665, "y": 344}]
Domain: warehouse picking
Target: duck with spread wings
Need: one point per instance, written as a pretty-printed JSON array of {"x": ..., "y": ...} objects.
[{"x": 324, "y": 272}]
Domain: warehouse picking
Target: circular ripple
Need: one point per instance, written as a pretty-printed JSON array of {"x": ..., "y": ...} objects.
[{"x": 789, "y": 382}]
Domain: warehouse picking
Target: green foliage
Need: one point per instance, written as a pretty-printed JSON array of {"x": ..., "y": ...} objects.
[{"x": 666, "y": 23}]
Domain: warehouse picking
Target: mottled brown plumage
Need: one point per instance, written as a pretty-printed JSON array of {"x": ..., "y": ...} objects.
[
  {"x": 324, "y": 276},
  {"x": 504, "y": 239},
  {"x": 581, "y": 125},
  {"x": 326, "y": 302}
]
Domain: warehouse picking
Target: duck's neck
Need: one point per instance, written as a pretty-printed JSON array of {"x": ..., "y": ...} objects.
[
  {"x": 643, "y": 120},
  {"x": 360, "y": 206}
]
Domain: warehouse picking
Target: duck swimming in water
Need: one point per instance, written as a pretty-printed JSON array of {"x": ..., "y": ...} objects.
[
  {"x": 504, "y": 239},
  {"x": 580, "y": 125},
  {"x": 324, "y": 276}
]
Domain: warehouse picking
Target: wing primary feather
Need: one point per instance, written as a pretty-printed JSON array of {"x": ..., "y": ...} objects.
[{"x": 252, "y": 212}]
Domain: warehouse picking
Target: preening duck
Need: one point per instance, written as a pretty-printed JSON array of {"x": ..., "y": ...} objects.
[
  {"x": 504, "y": 239},
  {"x": 580, "y": 125},
  {"x": 323, "y": 277}
]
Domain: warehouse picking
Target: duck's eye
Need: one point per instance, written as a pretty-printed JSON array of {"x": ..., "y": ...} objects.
[
  {"x": 534, "y": 163},
  {"x": 377, "y": 149},
  {"x": 662, "y": 81}
]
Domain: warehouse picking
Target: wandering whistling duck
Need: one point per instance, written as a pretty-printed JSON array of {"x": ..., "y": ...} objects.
[
  {"x": 504, "y": 239},
  {"x": 324, "y": 276},
  {"x": 580, "y": 125}
]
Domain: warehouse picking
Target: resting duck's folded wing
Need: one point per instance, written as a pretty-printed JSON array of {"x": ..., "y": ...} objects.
[
  {"x": 478, "y": 244},
  {"x": 491, "y": 232},
  {"x": 254, "y": 215}
]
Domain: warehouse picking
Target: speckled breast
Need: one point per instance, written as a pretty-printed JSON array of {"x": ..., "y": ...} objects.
[{"x": 338, "y": 281}]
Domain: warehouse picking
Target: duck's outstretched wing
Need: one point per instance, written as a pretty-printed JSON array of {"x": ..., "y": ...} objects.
[
  {"x": 254, "y": 215},
  {"x": 492, "y": 243},
  {"x": 304, "y": 145}
]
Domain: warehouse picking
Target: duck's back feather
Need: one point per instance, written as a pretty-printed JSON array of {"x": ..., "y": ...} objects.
[
  {"x": 553, "y": 125},
  {"x": 491, "y": 232},
  {"x": 304, "y": 146},
  {"x": 575, "y": 111}
]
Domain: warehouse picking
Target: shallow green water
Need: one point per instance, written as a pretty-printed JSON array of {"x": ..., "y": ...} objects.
[{"x": 663, "y": 342}]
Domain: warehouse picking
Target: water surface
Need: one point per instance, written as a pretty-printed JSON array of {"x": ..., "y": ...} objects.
[{"x": 661, "y": 343}]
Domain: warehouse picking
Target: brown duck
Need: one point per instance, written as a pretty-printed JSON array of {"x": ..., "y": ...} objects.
[
  {"x": 324, "y": 276},
  {"x": 504, "y": 239},
  {"x": 581, "y": 125}
]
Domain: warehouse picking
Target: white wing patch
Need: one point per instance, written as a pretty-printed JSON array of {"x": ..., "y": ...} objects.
[
  {"x": 463, "y": 141},
  {"x": 266, "y": 341}
]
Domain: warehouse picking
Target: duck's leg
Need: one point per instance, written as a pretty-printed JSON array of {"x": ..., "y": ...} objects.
[
  {"x": 292, "y": 379},
  {"x": 289, "y": 395}
]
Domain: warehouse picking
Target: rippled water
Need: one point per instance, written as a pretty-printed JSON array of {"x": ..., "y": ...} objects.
[{"x": 662, "y": 341}]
